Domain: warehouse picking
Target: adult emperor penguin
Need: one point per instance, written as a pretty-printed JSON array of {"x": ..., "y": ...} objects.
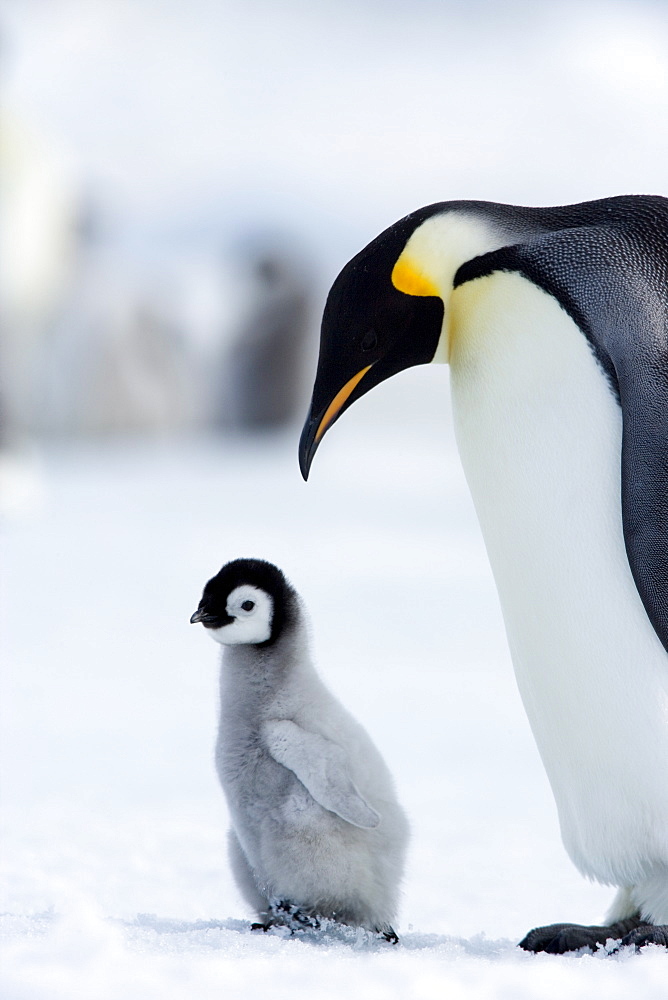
[
  {"x": 316, "y": 827},
  {"x": 554, "y": 322}
]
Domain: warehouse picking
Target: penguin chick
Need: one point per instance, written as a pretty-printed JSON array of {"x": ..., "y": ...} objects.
[{"x": 316, "y": 827}]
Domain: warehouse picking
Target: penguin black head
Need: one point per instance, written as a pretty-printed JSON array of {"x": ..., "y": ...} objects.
[
  {"x": 391, "y": 306},
  {"x": 380, "y": 317},
  {"x": 249, "y": 602}
]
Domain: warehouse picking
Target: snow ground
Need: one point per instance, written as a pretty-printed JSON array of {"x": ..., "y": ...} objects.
[{"x": 115, "y": 875}]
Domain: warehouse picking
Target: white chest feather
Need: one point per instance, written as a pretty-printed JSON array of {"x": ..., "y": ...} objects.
[{"x": 539, "y": 432}]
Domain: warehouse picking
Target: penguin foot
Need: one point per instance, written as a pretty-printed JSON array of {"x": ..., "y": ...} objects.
[
  {"x": 289, "y": 915},
  {"x": 557, "y": 939},
  {"x": 388, "y": 934},
  {"x": 646, "y": 934}
]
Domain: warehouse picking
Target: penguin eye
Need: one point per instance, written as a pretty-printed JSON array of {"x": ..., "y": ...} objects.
[
  {"x": 369, "y": 340},
  {"x": 248, "y": 605}
]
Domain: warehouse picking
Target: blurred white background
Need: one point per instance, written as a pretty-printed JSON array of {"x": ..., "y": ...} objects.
[
  {"x": 181, "y": 182},
  {"x": 149, "y": 147}
]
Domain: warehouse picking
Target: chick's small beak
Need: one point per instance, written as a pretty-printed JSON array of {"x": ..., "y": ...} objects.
[{"x": 199, "y": 616}]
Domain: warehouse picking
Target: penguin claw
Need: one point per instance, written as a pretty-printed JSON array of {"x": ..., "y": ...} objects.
[
  {"x": 388, "y": 934},
  {"x": 645, "y": 934},
  {"x": 557, "y": 939}
]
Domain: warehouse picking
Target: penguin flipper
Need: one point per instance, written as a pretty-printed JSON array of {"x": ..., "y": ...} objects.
[
  {"x": 322, "y": 767},
  {"x": 611, "y": 276}
]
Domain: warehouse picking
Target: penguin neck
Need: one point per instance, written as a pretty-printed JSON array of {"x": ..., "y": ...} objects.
[
  {"x": 257, "y": 682},
  {"x": 435, "y": 252}
]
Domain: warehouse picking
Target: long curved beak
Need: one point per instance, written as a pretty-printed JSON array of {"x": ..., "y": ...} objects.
[
  {"x": 308, "y": 445},
  {"x": 316, "y": 424}
]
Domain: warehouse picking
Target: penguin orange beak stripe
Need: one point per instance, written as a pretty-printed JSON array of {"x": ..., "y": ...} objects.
[{"x": 338, "y": 401}]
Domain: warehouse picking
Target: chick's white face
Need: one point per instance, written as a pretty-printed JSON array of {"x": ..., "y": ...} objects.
[{"x": 252, "y": 610}]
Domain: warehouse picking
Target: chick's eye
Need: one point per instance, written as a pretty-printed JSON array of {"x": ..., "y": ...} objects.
[
  {"x": 369, "y": 340},
  {"x": 248, "y": 605}
]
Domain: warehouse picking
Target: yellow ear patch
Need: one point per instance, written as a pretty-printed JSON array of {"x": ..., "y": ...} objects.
[{"x": 407, "y": 278}]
